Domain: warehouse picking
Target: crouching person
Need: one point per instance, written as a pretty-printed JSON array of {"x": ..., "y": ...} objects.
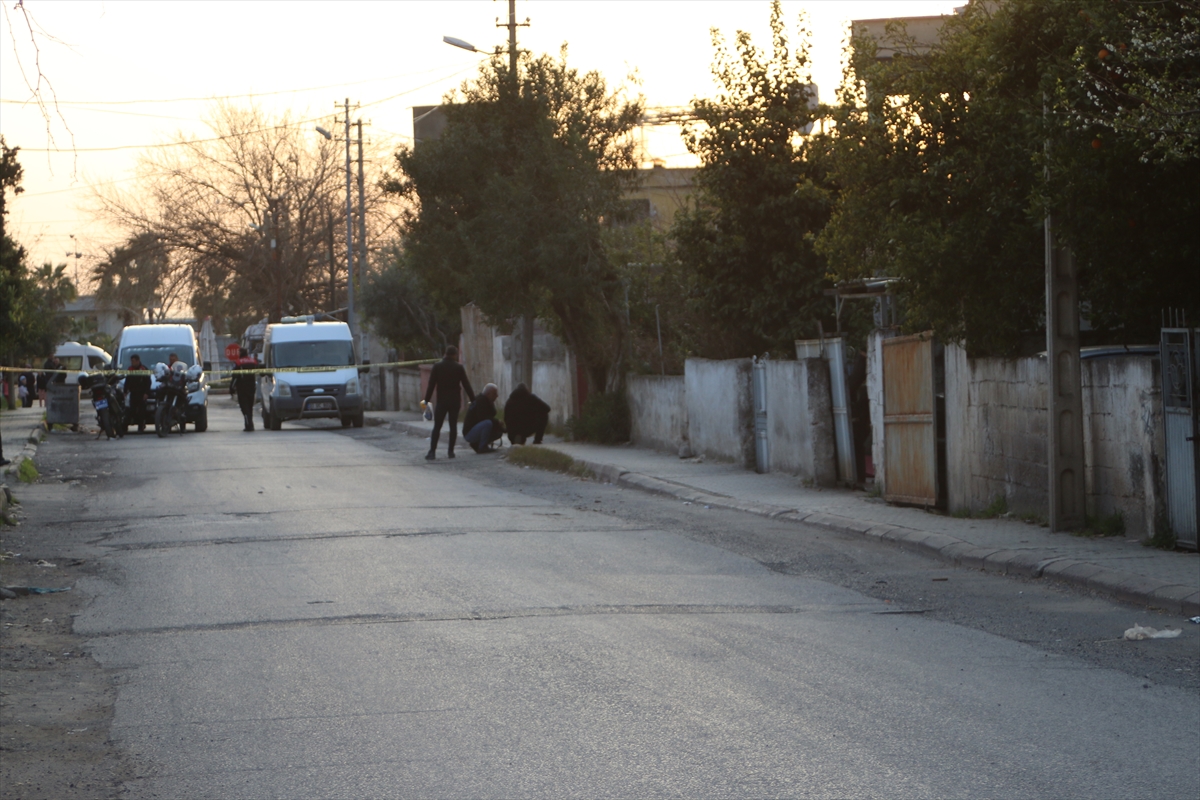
[
  {"x": 480, "y": 426},
  {"x": 525, "y": 415}
]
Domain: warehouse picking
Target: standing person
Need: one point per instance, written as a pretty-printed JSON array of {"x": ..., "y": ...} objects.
[
  {"x": 447, "y": 377},
  {"x": 137, "y": 389},
  {"x": 525, "y": 414},
  {"x": 30, "y": 384},
  {"x": 23, "y": 394},
  {"x": 246, "y": 385},
  {"x": 44, "y": 378},
  {"x": 480, "y": 426}
]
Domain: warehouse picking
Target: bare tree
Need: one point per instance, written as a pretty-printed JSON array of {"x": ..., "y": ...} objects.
[{"x": 252, "y": 217}]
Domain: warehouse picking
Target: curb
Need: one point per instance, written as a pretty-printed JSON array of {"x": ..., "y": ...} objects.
[
  {"x": 28, "y": 451},
  {"x": 1126, "y": 587}
]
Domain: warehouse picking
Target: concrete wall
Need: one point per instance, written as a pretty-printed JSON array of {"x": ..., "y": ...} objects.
[
  {"x": 996, "y": 436},
  {"x": 658, "y": 411},
  {"x": 875, "y": 401},
  {"x": 720, "y": 409},
  {"x": 800, "y": 420},
  {"x": 996, "y": 432},
  {"x": 1124, "y": 451},
  {"x": 553, "y": 373}
]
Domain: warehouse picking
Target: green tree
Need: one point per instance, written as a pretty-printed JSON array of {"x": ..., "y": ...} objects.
[
  {"x": 138, "y": 275},
  {"x": 29, "y": 300},
  {"x": 948, "y": 160},
  {"x": 762, "y": 196},
  {"x": 508, "y": 202},
  {"x": 402, "y": 310}
]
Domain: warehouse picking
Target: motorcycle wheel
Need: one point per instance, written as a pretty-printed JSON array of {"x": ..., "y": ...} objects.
[
  {"x": 160, "y": 422},
  {"x": 106, "y": 423}
]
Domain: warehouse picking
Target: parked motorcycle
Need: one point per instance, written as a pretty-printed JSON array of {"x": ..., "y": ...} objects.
[
  {"x": 109, "y": 402},
  {"x": 171, "y": 398}
]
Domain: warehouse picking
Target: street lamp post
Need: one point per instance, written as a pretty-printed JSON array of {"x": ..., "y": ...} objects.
[{"x": 350, "y": 316}]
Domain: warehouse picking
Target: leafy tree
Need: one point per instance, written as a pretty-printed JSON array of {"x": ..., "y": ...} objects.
[
  {"x": 948, "y": 161},
  {"x": 1140, "y": 70},
  {"x": 29, "y": 300},
  {"x": 139, "y": 275},
  {"x": 404, "y": 312},
  {"x": 507, "y": 203},
  {"x": 762, "y": 196}
]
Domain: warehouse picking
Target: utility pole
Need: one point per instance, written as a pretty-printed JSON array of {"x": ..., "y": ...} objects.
[
  {"x": 75, "y": 252},
  {"x": 362, "y": 229},
  {"x": 273, "y": 205},
  {"x": 349, "y": 234},
  {"x": 1064, "y": 395},
  {"x": 527, "y": 321}
]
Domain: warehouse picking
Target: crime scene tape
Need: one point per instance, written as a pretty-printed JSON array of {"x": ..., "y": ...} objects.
[{"x": 242, "y": 371}]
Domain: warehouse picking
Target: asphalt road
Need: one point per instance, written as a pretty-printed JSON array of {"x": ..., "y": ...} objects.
[{"x": 319, "y": 612}]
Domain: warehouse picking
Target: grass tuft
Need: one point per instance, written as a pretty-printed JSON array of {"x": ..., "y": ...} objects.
[
  {"x": 547, "y": 459},
  {"x": 27, "y": 472}
]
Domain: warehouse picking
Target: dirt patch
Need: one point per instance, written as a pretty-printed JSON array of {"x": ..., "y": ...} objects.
[{"x": 56, "y": 702}]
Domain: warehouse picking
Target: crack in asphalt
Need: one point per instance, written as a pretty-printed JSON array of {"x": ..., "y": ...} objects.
[
  {"x": 394, "y": 533},
  {"x": 649, "y": 609}
]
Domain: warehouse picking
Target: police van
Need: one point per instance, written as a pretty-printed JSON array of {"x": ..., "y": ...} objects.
[
  {"x": 315, "y": 373},
  {"x": 153, "y": 344}
]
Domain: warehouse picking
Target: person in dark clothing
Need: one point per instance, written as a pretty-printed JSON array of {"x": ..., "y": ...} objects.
[
  {"x": 480, "y": 426},
  {"x": 525, "y": 415},
  {"x": 447, "y": 377},
  {"x": 44, "y": 378},
  {"x": 137, "y": 389},
  {"x": 246, "y": 385}
]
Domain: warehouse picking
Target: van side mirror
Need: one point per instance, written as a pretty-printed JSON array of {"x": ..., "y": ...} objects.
[{"x": 206, "y": 366}]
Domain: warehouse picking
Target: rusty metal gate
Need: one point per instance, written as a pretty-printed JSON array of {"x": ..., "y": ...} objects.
[
  {"x": 910, "y": 421},
  {"x": 1179, "y": 378}
]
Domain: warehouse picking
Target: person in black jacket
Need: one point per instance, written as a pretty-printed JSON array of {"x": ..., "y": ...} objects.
[
  {"x": 246, "y": 385},
  {"x": 447, "y": 377},
  {"x": 480, "y": 426},
  {"x": 137, "y": 389},
  {"x": 525, "y": 414}
]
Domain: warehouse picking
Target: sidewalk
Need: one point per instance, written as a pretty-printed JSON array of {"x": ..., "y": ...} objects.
[
  {"x": 1118, "y": 567},
  {"x": 17, "y": 429}
]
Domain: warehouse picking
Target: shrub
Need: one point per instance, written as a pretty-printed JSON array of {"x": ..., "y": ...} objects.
[{"x": 604, "y": 420}]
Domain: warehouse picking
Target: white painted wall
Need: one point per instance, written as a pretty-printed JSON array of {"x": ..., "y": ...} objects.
[
  {"x": 800, "y": 432},
  {"x": 658, "y": 411},
  {"x": 720, "y": 409}
]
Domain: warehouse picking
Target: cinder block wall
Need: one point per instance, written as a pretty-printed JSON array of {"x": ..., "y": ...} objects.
[
  {"x": 996, "y": 432},
  {"x": 720, "y": 409},
  {"x": 1124, "y": 451},
  {"x": 997, "y": 436},
  {"x": 658, "y": 411},
  {"x": 800, "y": 420}
]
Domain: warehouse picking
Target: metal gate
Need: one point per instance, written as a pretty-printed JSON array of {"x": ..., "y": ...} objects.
[
  {"x": 910, "y": 421},
  {"x": 1179, "y": 377}
]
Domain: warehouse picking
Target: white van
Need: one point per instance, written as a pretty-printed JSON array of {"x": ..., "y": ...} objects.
[
  {"x": 155, "y": 343},
  {"x": 83, "y": 357},
  {"x": 331, "y": 392}
]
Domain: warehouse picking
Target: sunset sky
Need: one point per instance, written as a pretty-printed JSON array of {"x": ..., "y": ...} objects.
[{"x": 131, "y": 74}]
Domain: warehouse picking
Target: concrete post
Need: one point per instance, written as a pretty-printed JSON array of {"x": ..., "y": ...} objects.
[{"x": 1065, "y": 394}]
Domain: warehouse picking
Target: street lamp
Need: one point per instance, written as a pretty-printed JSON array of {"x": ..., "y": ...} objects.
[{"x": 459, "y": 43}]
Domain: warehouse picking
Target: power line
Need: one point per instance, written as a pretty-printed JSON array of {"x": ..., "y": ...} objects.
[{"x": 297, "y": 124}]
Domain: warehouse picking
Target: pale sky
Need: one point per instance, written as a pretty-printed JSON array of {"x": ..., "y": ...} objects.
[{"x": 304, "y": 56}]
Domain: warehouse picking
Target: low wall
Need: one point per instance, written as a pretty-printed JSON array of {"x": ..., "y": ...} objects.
[
  {"x": 658, "y": 411},
  {"x": 1123, "y": 447},
  {"x": 720, "y": 409},
  {"x": 800, "y": 420},
  {"x": 997, "y": 435},
  {"x": 996, "y": 432}
]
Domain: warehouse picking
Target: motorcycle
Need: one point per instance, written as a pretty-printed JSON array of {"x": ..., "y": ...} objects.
[
  {"x": 171, "y": 398},
  {"x": 109, "y": 403}
]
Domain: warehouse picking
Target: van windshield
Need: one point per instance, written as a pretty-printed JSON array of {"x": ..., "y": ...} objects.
[
  {"x": 313, "y": 354},
  {"x": 152, "y": 354}
]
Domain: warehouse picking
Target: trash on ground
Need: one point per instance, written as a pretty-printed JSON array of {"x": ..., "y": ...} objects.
[
  {"x": 41, "y": 562},
  {"x": 1195, "y": 620},
  {"x": 12, "y": 592},
  {"x": 1139, "y": 632}
]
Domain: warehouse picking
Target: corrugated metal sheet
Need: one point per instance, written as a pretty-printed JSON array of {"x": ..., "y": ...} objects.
[{"x": 910, "y": 420}]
